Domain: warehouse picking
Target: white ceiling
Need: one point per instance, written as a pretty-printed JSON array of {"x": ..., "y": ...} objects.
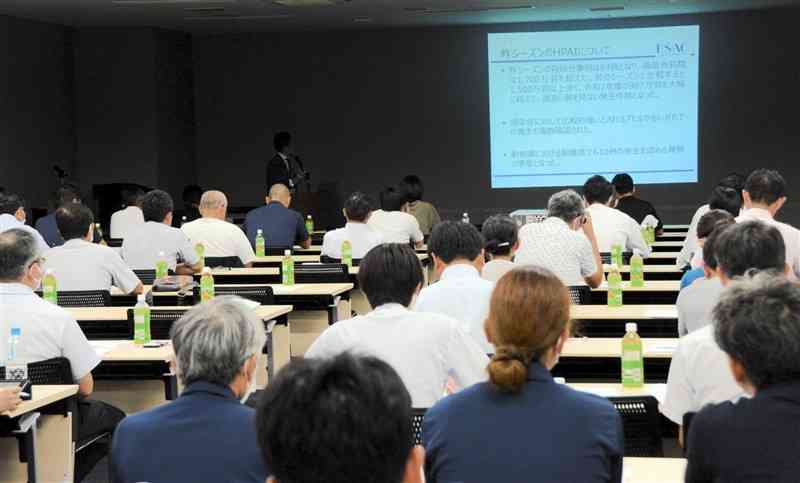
[{"x": 269, "y": 15}]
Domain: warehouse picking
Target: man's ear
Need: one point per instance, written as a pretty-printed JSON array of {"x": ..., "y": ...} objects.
[
  {"x": 415, "y": 466},
  {"x": 776, "y": 207},
  {"x": 740, "y": 376},
  {"x": 748, "y": 202}
]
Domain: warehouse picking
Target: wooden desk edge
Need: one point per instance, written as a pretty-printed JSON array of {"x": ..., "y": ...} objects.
[{"x": 64, "y": 392}]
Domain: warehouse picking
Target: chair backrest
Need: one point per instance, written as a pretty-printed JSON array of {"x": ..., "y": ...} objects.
[
  {"x": 320, "y": 273},
  {"x": 417, "y": 416},
  {"x": 257, "y": 293},
  {"x": 223, "y": 262},
  {"x": 83, "y": 298},
  {"x": 687, "y": 423},
  {"x": 115, "y": 242},
  {"x": 327, "y": 259},
  {"x": 161, "y": 321},
  {"x": 605, "y": 257},
  {"x": 51, "y": 371},
  {"x": 580, "y": 294},
  {"x": 148, "y": 277},
  {"x": 641, "y": 424}
]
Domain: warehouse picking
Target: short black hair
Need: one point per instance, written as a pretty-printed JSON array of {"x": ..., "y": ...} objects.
[
  {"x": 709, "y": 221},
  {"x": 337, "y": 420},
  {"x": 281, "y": 141},
  {"x": 500, "y": 233},
  {"x": 73, "y": 220},
  {"x": 451, "y": 240},
  {"x": 597, "y": 189},
  {"x": 390, "y": 273},
  {"x": 357, "y": 206},
  {"x": 757, "y": 323},
  {"x": 751, "y": 245},
  {"x": 765, "y": 186},
  {"x": 192, "y": 194},
  {"x": 733, "y": 180},
  {"x": 413, "y": 187},
  {"x": 10, "y": 203},
  {"x": 131, "y": 196},
  {"x": 710, "y": 245},
  {"x": 68, "y": 193},
  {"x": 156, "y": 205},
  {"x": 623, "y": 183},
  {"x": 393, "y": 199},
  {"x": 725, "y": 198}
]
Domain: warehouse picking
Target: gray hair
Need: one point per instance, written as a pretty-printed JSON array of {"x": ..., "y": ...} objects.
[
  {"x": 212, "y": 200},
  {"x": 757, "y": 323},
  {"x": 18, "y": 249},
  {"x": 566, "y": 205},
  {"x": 213, "y": 341}
]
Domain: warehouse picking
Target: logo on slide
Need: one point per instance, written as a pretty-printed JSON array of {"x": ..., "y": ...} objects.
[{"x": 671, "y": 49}]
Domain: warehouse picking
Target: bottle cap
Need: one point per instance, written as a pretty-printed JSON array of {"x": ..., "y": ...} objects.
[
  {"x": 207, "y": 270},
  {"x": 141, "y": 297},
  {"x": 259, "y": 231},
  {"x": 631, "y": 327},
  {"x": 161, "y": 254},
  {"x": 636, "y": 252},
  {"x": 465, "y": 214},
  {"x": 97, "y": 225},
  {"x": 309, "y": 217},
  {"x": 287, "y": 252},
  {"x": 47, "y": 272},
  {"x": 183, "y": 217},
  {"x": 16, "y": 331}
]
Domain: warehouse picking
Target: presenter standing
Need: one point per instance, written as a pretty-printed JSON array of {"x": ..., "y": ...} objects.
[{"x": 285, "y": 167}]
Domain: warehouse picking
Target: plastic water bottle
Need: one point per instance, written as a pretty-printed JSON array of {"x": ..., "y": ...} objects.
[
  {"x": 632, "y": 357},
  {"x": 206, "y": 285},
  {"x": 616, "y": 254},
  {"x": 15, "y": 369},
  {"x": 200, "y": 250},
  {"x": 637, "y": 269},
  {"x": 141, "y": 321},
  {"x": 260, "y": 244},
  {"x": 99, "y": 231},
  {"x": 287, "y": 268},
  {"x": 465, "y": 218},
  {"x": 347, "y": 253},
  {"x": 614, "y": 287},
  {"x": 50, "y": 287},
  {"x": 162, "y": 267},
  {"x": 309, "y": 224},
  {"x": 183, "y": 220}
]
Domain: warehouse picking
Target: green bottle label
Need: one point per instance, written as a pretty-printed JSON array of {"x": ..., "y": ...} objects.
[
  {"x": 309, "y": 226},
  {"x": 637, "y": 273},
  {"x": 162, "y": 269},
  {"x": 347, "y": 253},
  {"x": 50, "y": 289},
  {"x": 616, "y": 255},
  {"x": 141, "y": 325},
  {"x": 206, "y": 288},
  {"x": 200, "y": 250},
  {"x": 288, "y": 271},
  {"x": 632, "y": 365},
  {"x": 260, "y": 246}
]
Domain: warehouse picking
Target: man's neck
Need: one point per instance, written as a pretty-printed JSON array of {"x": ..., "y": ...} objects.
[
  {"x": 507, "y": 258},
  {"x": 760, "y": 206}
]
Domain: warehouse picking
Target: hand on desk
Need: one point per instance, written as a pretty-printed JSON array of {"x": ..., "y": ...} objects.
[{"x": 9, "y": 398}]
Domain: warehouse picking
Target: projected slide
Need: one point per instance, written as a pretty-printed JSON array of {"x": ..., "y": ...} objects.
[{"x": 567, "y": 105}]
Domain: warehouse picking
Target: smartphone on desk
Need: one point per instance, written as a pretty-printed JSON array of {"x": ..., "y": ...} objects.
[{"x": 24, "y": 385}]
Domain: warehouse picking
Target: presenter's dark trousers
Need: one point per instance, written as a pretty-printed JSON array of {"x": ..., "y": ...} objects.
[{"x": 95, "y": 418}]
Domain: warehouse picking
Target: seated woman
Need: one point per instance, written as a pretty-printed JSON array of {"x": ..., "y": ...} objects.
[
  {"x": 522, "y": 426},
  {"x": 423, "y": 211},
  {"x": 502, "y": 242}
]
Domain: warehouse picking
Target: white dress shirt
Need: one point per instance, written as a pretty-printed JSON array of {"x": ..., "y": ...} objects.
[
  {"x": 612, "y": 226},
  {"x": 81, "y": 265},
  {"x": 9, "y": 222},
  {"x": 495, "y": 269},
  {"x": 791, "y": 235},
  {"x": 699, "y": 374},
  {"x": 395, "y": 226},
  {"x": 362, "y": 239},
  {"x": 462, "y": 294},
  {"x": 124, "y": 221},
  {"x": 220, "y": 239},
  {"x": 696, "y": 302},
  {"x": 46, "y": 331},
  {"x": 552, "y": 244},
  {"x": 425, "y": 349},
  {"x": 690, "y": 244},
  {"x": 141, "y": 248}
]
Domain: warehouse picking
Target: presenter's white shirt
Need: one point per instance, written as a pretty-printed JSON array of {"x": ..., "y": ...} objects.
[
  {"x": 10, "y": 222},
  {"x": 126, "y": 220},
  {"x": 141, "y": 248},
  {"x": 395, "y": 226},
  {"x": 552, "y": 244},
  {"x": 791, "y": 235},
  {"x": 425, "y": 349},
  {"x": 81, "y": 265},
  {"x": 46, "y": 330},
  {"x": 462, "y": 294},
  {"x": 220, "y": 239},
  {"x": 698, "y": 375},
  {"x": 613, "y": 226},
  {"x": 495, "y": 269},
  {"x": 361, "y": 236}
]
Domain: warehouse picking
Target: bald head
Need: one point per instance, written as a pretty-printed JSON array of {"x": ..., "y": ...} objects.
[
  {"x": 280, "y": 193},
  {"x": 213, "y": 204}
]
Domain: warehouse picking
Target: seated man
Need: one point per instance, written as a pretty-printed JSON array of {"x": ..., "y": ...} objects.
[
  {"x": 129, "y": 218},
  {"x": 764, "y": 195},
  {"x": 12, "y": 215},
  {"x": 48, "y": 331},
  {"x": 612, "y": 226},
  {"x": 343, "y": 420},
  {"x": 219, "y": 238},
  {"x": 46, "y": 225},
  {"x": 696, "y": 301},
  {"x": 207, "y": 434},
  {"x": 281, "y": 227},
  {"x": 424, "y": 348},
  {"x": 758, "y": 328},
  {"x": 144, "y": 246},
  {"x": 564, "y": 243},
  {"x": 707, "y": 224},
  {"x": 362, "y": 238},
  {"x": 461, "y": 293},
  {"x": 699, "y": 373},
  {"x": 393, "y": 222},
  {"x": 80, "y": 264},
  {"x": 632, "y": 205}
]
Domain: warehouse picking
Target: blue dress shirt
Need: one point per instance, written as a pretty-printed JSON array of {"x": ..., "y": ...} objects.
[
  {"x": 282, "y": 227},
  {"x": 47, "y": 227}
]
